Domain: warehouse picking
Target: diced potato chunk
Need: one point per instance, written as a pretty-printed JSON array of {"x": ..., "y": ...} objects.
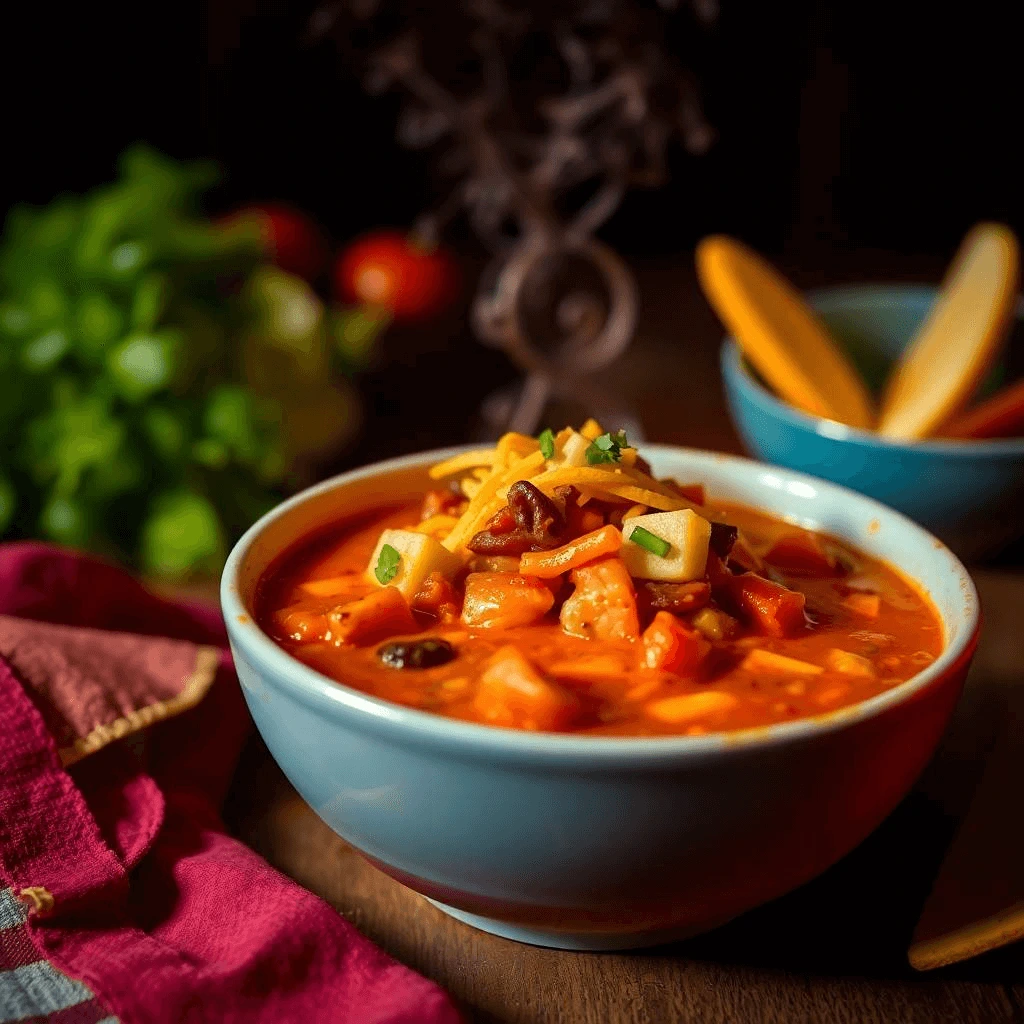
[
  {"x": 498, "y": 600},
  {"x": 686, "y": 532},
  {"x": 690, "y": 707},
  {"x": 850, "y": 664},
  {"x": 419, "y": 556},
  {"x": 866, "y": 605},
  {"x": 513, "y": 694},
  {"x": 760, "y": 660}
]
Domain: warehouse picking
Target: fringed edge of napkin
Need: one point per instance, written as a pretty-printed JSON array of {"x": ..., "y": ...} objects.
[{"x": 193, "y": 691}]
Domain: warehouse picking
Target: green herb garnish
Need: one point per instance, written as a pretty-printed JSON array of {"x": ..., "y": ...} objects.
[
  {"x": 387, "y": 565},
  {"x": 607, "y": 448},
  {"x": 656, "y": 545},
  {"x": 547, "y": 443}
]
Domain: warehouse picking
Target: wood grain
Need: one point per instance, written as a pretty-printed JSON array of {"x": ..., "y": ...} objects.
[{"x": 834, "y": 952}]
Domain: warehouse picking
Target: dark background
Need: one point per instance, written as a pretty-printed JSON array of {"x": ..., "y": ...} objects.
[
  {"x": 860, "y": 125},
  {"x": 855, "y": 140}
]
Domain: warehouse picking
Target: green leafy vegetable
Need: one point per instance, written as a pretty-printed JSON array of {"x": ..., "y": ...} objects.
[
  {"x": 547, "y": 443},
  {"x": 607, "y": 448},
  {"x": 387, "y": 565},
  {"x": 645, "y": 539},
  {"x": 145, "y": 350}
]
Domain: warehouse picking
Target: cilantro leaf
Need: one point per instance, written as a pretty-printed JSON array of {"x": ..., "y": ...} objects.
[
  {"x": 387, "y": 565},
  {"x": 547, "y": 443},
  {"x": 607, "y": 448}
]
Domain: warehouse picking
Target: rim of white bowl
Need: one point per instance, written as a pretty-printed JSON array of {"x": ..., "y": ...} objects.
[
  {"x": 323, "y": 693},
  {"x": 734, "y": 364}
]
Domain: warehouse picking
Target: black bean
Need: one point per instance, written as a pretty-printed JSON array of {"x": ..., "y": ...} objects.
[{"x": 427, "y": 653}]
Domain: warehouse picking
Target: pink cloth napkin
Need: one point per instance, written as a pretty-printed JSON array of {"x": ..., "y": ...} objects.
[{"x": 121, "y": 896}]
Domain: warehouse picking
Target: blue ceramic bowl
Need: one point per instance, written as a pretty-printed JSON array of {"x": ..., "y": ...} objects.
[
  {"x": 599, "y": 842},
  {"x": 969, "y": 493}
]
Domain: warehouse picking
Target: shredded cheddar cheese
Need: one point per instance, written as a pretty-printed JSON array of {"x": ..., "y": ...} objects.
[{"x": 487, "y": 473}]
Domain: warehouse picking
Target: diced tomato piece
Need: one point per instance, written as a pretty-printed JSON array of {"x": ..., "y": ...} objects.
[
  {"x": 670, "y": 646},
  {"x": 499, "y": 600},
  {"x": 775, "y": 609},
  {"x": 375, "y": 617},
  {"x": 513, "y": 694},
  {"x": 437, "y": 597},
  {"x": 603, "y": 606},
  {"x": 804, "y": 554}
]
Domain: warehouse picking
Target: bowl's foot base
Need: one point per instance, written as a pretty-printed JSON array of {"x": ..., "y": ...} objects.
[{"x": 554, "y": 939}]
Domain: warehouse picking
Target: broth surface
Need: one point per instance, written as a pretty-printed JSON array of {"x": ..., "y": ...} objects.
[{"x": 613, "y": 690}]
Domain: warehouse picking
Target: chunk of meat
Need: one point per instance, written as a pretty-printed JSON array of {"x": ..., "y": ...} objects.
[
  {"x": 603, "y": 605},
  {"x": 670, "y": 646},
  {"x": 498, "y": 600},
  {"x": 530, "y": 521},
  {"x": 377, "y": 616},
  {"x": 548, "y": 564},
  {"x": 513, "y": 694},
  {"x": 438, "y": 597},
  {"x": 678, "y": 598}
]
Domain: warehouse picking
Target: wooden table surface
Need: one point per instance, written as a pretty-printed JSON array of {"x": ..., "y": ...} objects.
[{"x": 833, "y": 951}]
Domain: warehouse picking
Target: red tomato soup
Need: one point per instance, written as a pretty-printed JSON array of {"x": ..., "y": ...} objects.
[{"x": 555, "y": 585}]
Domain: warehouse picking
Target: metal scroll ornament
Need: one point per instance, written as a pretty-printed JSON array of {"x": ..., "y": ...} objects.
[{"x": 543, "y": 114}]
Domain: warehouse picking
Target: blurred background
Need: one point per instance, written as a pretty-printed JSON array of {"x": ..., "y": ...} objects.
[{"x": 853, "y": 142}]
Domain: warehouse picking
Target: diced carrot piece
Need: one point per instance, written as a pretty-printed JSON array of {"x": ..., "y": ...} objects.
[
  {"x": 498, "y": 600},
  {"x": 603, "y": 606},
  {"x": 867, "y": 605},
  {"x": 804, "y": 554},
  {"x": 775, "y": 609},
  {"x": 670, "y": 646},
  {"x": 688, "y": 707},
  {"x": 849, "y": 664},
  {"x": 548, "y": 564},
  {"x": 513, "y": 694},
  {"x": 300, "y": 623},
  {"x": 377, "y": 616},
  {"x": 759, "y": 660},
  {"x": 438, "y": 597},
  {"x": 833, "y": 694}
]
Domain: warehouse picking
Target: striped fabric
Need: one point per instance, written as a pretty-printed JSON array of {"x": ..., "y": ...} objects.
[{"x": 31, "y": 988}]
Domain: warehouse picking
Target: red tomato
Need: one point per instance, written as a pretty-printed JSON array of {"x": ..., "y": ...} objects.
[
  {"x": 293, "y": 241},
  {"x": 386, "y": 269}
]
